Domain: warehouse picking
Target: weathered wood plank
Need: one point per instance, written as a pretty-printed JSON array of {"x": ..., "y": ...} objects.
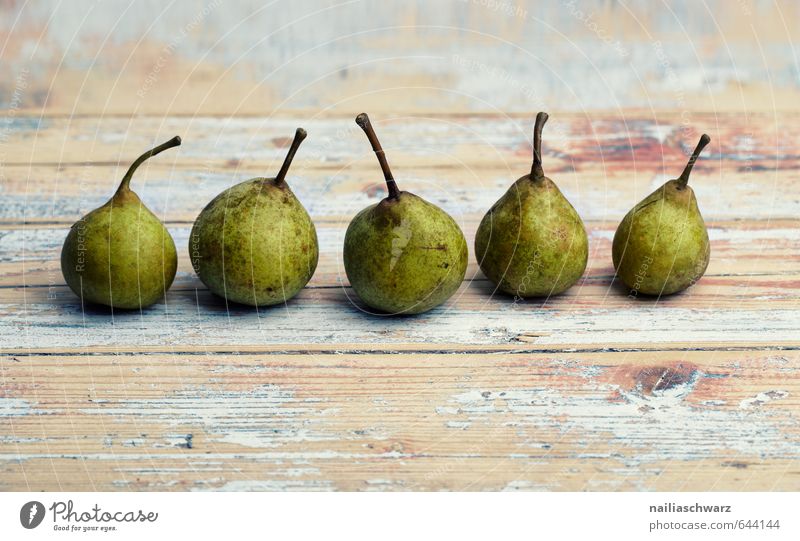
[
  {"x": 327, "y": 317},
  {"x": 750, "y": 291},
  {"x": 592, "y": 137},
  {"x": 30, "y": 256},
  {"x": 604, "y": 164},
  {"x": 46, "y": 196},
  {"x": 557, "y": 421}
]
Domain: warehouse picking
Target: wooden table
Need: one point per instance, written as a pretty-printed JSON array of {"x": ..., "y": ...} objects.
[{"x": 591, "y": 390}]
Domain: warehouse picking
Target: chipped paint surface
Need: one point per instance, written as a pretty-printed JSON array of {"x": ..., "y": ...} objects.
[
  {"x": 312, "y": 322},
  {"x": 515, "y": 421},
  {"x": 273, "y": 485},
  {"x": 14, "y": 407},
  {"x": 633, "y": 420},
  {"x": 763, "y": 398},
  {"x": 603, "y": 167},
  {"x": 263, "y": 417}
]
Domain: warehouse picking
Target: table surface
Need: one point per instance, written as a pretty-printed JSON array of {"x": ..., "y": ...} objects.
[{"x": 590, "y": 390}]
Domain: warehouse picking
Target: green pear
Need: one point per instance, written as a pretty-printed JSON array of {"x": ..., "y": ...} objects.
[
  {"x": 403, "y": 255},
  {"x": 255, "y": 243},
  {"x": 532, "y": 243},
  {"x": 661, "y": 246},
  {"x": 120, "y": 254}
]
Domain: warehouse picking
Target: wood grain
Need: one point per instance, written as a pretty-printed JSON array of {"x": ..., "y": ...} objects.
[
  {"x": 558, "y": 421},
  {"x": 60, "y": 168},
  {"x": 591, "y": 390}
]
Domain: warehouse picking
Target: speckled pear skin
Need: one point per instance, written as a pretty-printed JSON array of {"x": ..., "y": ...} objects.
[
  {"x": 661, "y": 246},
  {"x": 404, "y": 255},
  {"x": 532, "y": 243},
  {"x": 120, "y": 254},
  {"x": 255, "y": 244}
]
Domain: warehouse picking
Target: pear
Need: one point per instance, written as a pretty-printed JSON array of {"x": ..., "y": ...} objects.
[
  {"x": 661, "y": 246},
  {"x": 255, "y": 243},
  {"x": 120, "y": 254},
  {"x": 532, "y": 243},
  {"x": 403, "y": 255}
]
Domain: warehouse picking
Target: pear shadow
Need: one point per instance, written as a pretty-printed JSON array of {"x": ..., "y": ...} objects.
[
  {"x": 199, "y": 295},
  {"x": 488, "y": 289},
  {"x": 349, "y": 300},
  {"x": 501, "y": 298},
  {"x": 485, "y": 287},
  {"x": 92, "y": 309},
  {"x": 619, "y": 287}
]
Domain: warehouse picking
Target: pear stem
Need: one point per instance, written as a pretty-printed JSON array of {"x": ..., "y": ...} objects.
[
  {"x": 125, "y": 185},
  {"x": 537, "y": 172},
  {"x": 363, "y": 121},
  {"x": 299, "y": 136},
  {"x": 683, "y": 180}
]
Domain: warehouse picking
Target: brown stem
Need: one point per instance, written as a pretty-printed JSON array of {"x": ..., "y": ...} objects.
[
  {"x": 683, "y": 180},
  {"x": 125, "y": 185},
  {"x": 537, "y": 173},
  {"x": 299, "y": 135},
  {"x": 363, "y": 121}
]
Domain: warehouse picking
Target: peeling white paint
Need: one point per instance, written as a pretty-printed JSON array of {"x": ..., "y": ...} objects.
[
  {"x": 272, "y": 485},
  {"x": 319, "y": 324},
  {"x": 762, "y": 398},
  {"x": 642, "y": 428},
  {"x": 14, "y": 407},
  {"x": 526, "y": 485},
  {"x": 275, "y": 457},
  {"x": 266, "y": 416},
  {"x": 379, "y": 484},
  {"x": 7, "y": 439}
]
